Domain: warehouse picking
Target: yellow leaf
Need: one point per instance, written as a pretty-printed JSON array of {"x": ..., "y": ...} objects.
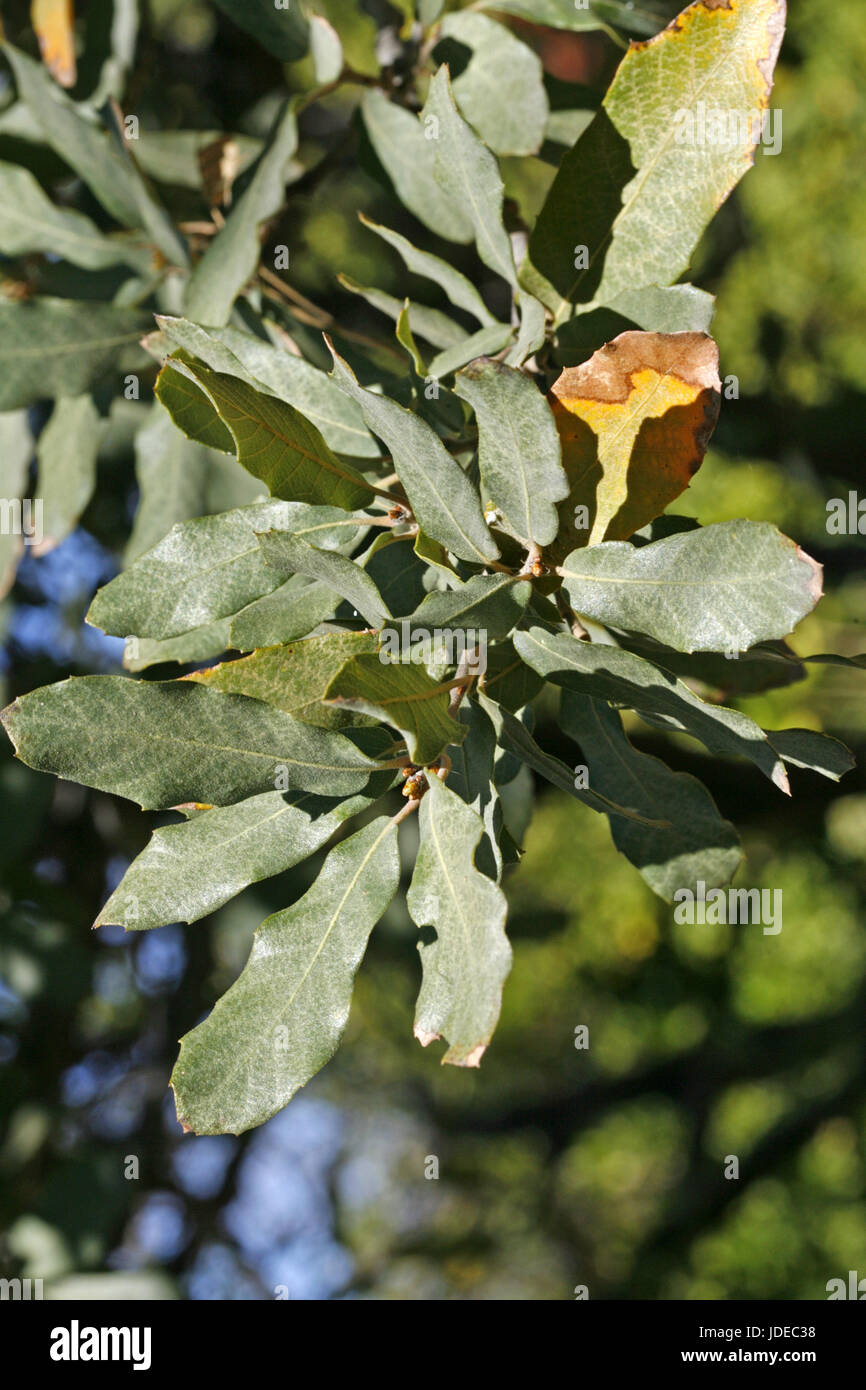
[
  {"x": 634, "y": 422},
  {"x": 54, "y": 22}
]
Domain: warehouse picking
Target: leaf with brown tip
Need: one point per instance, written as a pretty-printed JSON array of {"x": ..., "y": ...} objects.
[{"x": 634, "y": 421}]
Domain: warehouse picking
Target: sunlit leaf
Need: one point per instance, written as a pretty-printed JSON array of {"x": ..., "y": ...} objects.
[
  {"x": 205, "y": 569},
  {"x": 609, "y": 673},
  {"x": 403, "y": 695},
  {"x": 634, "y": 421},
  {"x": 500, "y": 89},
  {"x": 294, "y": 677},
  {"x": 465, "y": 967},
  {"x": 519, "y": 451},
  {"x": 290, "y": 378},
  {"x": 284, "y": 1016},
  {"x": 233, "y": 254},
  {"x": 447, "y": 506},
  {"x": 408, "y": 156},
  {"x": 468, "y": 174},
  {"x": 166, "y": 743},
  {"x": 643, "y": 181},
  {"x": 460, "y": 291},
  {"x": 291, "y": 554},
  {"x": 273, "y": 440},
  {"x": 189, "y": 870},
  {"x": 736, "y": 583}
]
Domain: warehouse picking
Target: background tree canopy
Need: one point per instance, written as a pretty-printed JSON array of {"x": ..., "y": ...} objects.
[{"x": 388, "y": 1176}]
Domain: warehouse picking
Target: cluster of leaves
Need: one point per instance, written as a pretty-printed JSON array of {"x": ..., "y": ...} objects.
[{"x": 499, "y": 478}]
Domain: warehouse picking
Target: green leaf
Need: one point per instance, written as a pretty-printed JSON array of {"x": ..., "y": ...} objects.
[
  {"x": 430, "y": 324},
  {"x": 358, "y": 33},
  {"x": 63, "y": 347},
  {"x": 179, "y": 480},
  {"x": 813, "y": 751},
  {"x": 276, "y": 443},
  {"x": 30, "y": 222},
  {"x": 669, "y": 309},
  {"x": 636, "y": 16},
  {"x": 471, "y": 777},
  {"x": 274, "y": 369},
  {"x": 460, "y": 291},
  {"x": 834, "y": 659},
  {"x": 284, "y": 615},
  {"x": 67, "y": 452},
  {"x": 94, "y": 155},
  {"x": 720, "y": 588},
  {"x": 444, "y": 501},
  {"x": 284, "y": 1016},
  {"x": 165, "y": 743},
  {"x": 282, "y": 29},
  {"x": 199, "y": 644},
  {"x": 490, "y": 606},
  {"x": 190, "y": 409},
  {"x": 172, "y": 156},
  {"x": 233, "y": 255},
  {"x": 288, "y": 555},
  {"x": 401, "y": 694},
  {"x": 500, "y": 90},
  {"x": 768, "y": 666},
  {"x": 469, "y": 176},
  {"x": 533, "y": 330},
  {"x": 408, "y": 156},
  {"x": 516, "y": 739},
  {"x": 465, "y": 967},
  {"x": 16, "y": 451},
  {"x": 519, "y": 452},
  {"x": 507, "y": 679},
  {"x": 397, "y": 572},
  {"x": 697, "y": 844},
  {"x": 188, "y": 871},
  {"x": 293, "y": 677},
  {"x": 203, "y": 570},
  {"x": 406, "y": 340},
  {"x": 435, "y": 555},
  {"x": 640, "y": 186},
  {"x": 429, "y": 11},
  {"x": 486, "y": 340},
  {"x": 326, "y": 50},
  {"x": 609, "y": 673}
]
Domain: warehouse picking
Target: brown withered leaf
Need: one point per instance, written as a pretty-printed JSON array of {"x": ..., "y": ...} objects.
[
  {"x": 219, "y": 164},
  {"x": 635, "y": 421}
]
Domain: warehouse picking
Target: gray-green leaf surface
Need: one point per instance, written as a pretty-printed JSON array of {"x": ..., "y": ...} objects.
[
  {"x": 720, "y": 588},
  {"x": 163, "y": 744},
  {"x": 464, "y": 969},
  {"x": 610, "y": 673},
  {"x": 697, "y": 844},
  {"x": 444, "y": 501},
  {"x": 284, "y": 1016},
  {"x": 189, "y": 870},
  {"x": 519, "y": 452}
]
